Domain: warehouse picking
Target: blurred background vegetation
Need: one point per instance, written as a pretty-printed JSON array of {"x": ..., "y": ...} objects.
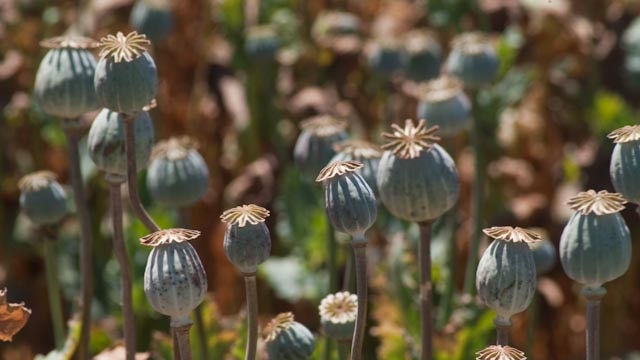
[{"x": 570, "y": 74}]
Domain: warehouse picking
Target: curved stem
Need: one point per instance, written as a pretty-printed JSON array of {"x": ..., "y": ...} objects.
[
  {"x": 181, "y": 344},
  {"x": 120, "y": 252},
  {"x": 132, "y": 175},
  {"x": 360, "y": 251},
  {"x": 53, "y": 290},
  {"x": 426, "y": 287},
  {"x": 594, "y": 297},
  {"x": 86, "y": 242},
  {"x": 252, "y": 315}
]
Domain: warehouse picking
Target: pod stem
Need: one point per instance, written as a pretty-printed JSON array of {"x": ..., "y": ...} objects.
[
  {"x": 53, "y": 289},
  {"x": 343, "y": 349},
  {"x": 360, "y": 251},
  {"x": 181, "y": 344},
  {"x": 426, "y": 287},
  {"x": 347, "y": 281},
  {"x": 252, "y": 315},
  {"x": 332, "y": 254},
  {"x": 120, "y": 251},
  {"x": 73, "y": 134},
  {"x": 132, "y": 175},
  {"x": 593, "y": 297},
  {"x": 502, "y": 330}
]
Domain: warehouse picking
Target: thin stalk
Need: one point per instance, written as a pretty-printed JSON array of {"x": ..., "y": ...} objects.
[
  {"x": 328, "y": 349},
  {"x": 360, "y": 251},
  {"x": 502, "y": 330},
  {"x": 344, "y": 348},
  {"x": 252, "y": 315},
  {"x": 53, "y": 290},
  {"x": 181, "y": 345},
  {"x": 452, "y": 264},
  {"x": 532, "y": 324},
  {"x": 120, "y": 252},
  {"x": 132, "y": 175},
  {"x": 332, "y": 254},
  {"x": 73, "y": 134},
  {"x": 426, "y": 288},
  {"x": 594, "y": 297},
  {"x": 347, "y": 280}
]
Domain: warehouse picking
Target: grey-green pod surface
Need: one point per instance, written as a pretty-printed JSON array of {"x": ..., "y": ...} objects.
[
  {"x": 473, "y": 60},
  {"x": 42, "y": 199},
  {"x": 444, "y": 103},
  {"x": 287, "y": 339},
  {"x": 362, "y": 151},
  {"x": 424, "y": 56},
  {"x": 545, "y": 255},
  {"x": 625, "y": 162},
  {"x": 247, "y": 241},
  {"x": 152, "y": 18},
  {"x": 314, "y": 147}
]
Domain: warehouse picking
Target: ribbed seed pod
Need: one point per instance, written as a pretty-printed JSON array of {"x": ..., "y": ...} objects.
[
  {"x": 178, "y": 175},
  {"x": 444, "y": 103},
  {"x": 595, "y": 246},
  {"x": 473, "y": 60},
  {"x": 286, "y": 339},
  {"x": 338, "y": 31},
  {"x": 338, "y": 315},
  {"x": 175, "y": 282},
  {"x": 64, "y": 81},
  {"x": 367, "y": 153},
  {"x": 247, "y": 242},
  {"x": 126, "y": 78},
  {"x": 625, "y": 162},
  {"x": 42, "y": 199},
  {"x": 261, "y": 42},
  {"x": 106, "y": 141},
  {"x": 424, "y": 55},
  {"x": 387, "y": 57},
  {"x": 545, "y": 255},
  {"x": 153, "y": 18},
  {"x": 314, "y": 146},
  {"x": 417, "y": 180},
  {"x": 506, "y": 275}
]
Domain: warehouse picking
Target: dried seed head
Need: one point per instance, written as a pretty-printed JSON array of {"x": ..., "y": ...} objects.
[
  {"x": 69, "y": 41},
  {"x": 323, "y": 125},
  {"x": 498, "y": 352},
  {"x": 358, "y": 149},
  {"x": 281, "y": 322},
  {"x": 13, "y": 317},
  {"x": 510, "y": 234},
  {"x": 600, "y": 203},
  {"x": 471, "y": 43},
  {"x": 174, "y": 148},
  {"x": 625, "y": 134},
  {"x": 168, "y": 236},
  {"x": 443, "y": 88},
  {"x": 410, "y": 141},
  {"x": 241, "y": 215},
  {"x": 339, "y": 308},
  {"x": 36, "y": 181},
  {"x": 122, "y": 47},
  {"x": 338, "y": 168}
]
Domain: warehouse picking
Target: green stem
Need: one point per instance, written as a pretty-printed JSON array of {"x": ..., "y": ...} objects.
[
  {"x": 181, "y": 344},
  {"x": 252, "y": 315},
  {"x": 360, "y": 251},
  {"x": 532, "y": 324},
  {"x": 332, "y": 263},
  {"x": 447, "y": 297},
  {"x": 594, "y": 297},
  {"x": 343, "y": 350},
  {"x": 53, "y": 289},
  {"x": 347, "y": 280},
  {"x": 328, "y": 349},
  {"x": 426, "y": 288},
  {"x": 502, "y": 330}
]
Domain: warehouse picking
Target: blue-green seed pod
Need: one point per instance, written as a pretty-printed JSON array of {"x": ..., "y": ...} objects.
[
  {"x": 506, "y": 274},
  {"x": 64, "y": 81},
  {"x": 444, "y": 103},
  {"x": 152, "y": 18},
  {"x": 545, "y": 255},
  {"x": 424, "y": 56},
  {"x": 106, "y": 141},
  {"x": 175, "y": 282},
  {"x": 625, "y": 162},
  {"x": 338, "y": 314},
  {"x": 262, "y": 42},
  {"x": 314, "y": 146},
  {"x": 473, "y": 60},
  {"x": 178, "y": 175},
  {"x": 367, "y": 153},
  {"x": 42, "y": 199},
  {"x": 247, "y": 242},
  {"x": 595, "y": 246},
  {"x": 287, "y": 339},
  {"x": 417, "y": 181},
  {"x": 338, "y": 31},
  {"x": 126, "y": 78},
  {"x": 631, "y": 37},
  {"x": 348, "y": 199},
  {"x": 387, "y": 57}
]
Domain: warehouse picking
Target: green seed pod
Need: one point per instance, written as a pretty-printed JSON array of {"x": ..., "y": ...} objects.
[
  {"x": 625, "y": 162},
  {"x": 506, "y": 275},
  {"x": 417, "y": 180},
  {"x": 247, "y": 242},
  {"x": 595, "y": 246},
  {"x": 314, "y": 146},
  {"x": 175, "y": 282},
  {"x": 152, "y": 18},
  {"x": 545, "y": 255},
  {"x": 338, "y": 314},
  {"x": 473, "y": 60},
  {"x": 106, "y": 141},
  {"x": 262, "y": 42},
  {"x": 337, "y": 31},
  {"x": 126, "y": 79},
  {"x": 42, "y": 198},
  {"x": 386, "y": 57},
  {"x": 424, "y": 56},
  {"x": 287, "y": 339},
  {"x": 64, "y": 81},
  {"x": 365, "y": 152},
  {"x": 444, "y": 103},
  {"x": 178, "y": 175}
]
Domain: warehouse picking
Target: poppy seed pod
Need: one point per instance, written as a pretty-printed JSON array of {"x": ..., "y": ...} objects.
[
  {"x": 288, "y": 339},
  {"x": 106, "y": 141},
  {"x": 338, "y": 314},
  {"x": 506, "y": 274},
  {"x": 444, "y": 103},
  {"x": 387, "y": 56},
  {"x": 314, "y": 146},
  {"x": 367, "y": 153},
  {"x": 42, "y": 198},
  {"x": 595, "y": 246},
  {"x": 247, "y": 242},
  {"x": 126, "y": 78},
  {"x": 64, "y": 81},
  {"x": 153, "y": 18},
  {"x": 417, "y": 180},
  {"x": 175, "y": 282},
  {"x": 261, "y": 42},
  {"x": 545, "y": 255},
  {"x": 625, "y": 162},
  {"x": 424, "y": 56},
  {"x": 473, "y": 60},
  {"x": 338, "y": 31},
  {"x": 177, "y": 175}
]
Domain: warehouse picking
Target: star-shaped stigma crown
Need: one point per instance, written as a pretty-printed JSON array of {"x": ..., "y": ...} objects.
[
  {"x": 122, "y": 47},
  {"x": 358, "y": 149},
  {"x": 339, "y": 308},
  {"x": 174, "y": 148},
  {"x": 338, "y": 168},
  {"x": 36, "y": 181},
  {"x": 241, "y": 215},
  {"x": 323, "y": 125},
  {"x": 163, "y": 237},
  {"x": 512, "y": 234},
  {"x": 599, "y": 203},
  {"x": 441, "y": 89},
  {"x": 410, "y": 141},
  {"x": 499, "y": 352},
  {"x": 471, "y": 43},
  {"x": 625, "y": 134},
  {"x": 69, "y": 41},
  {"x": 279, "y": 323}
]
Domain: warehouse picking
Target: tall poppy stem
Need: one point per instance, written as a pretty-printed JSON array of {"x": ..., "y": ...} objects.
[
  {"x": 426, "y": 289},
  {"x": 360, "y": 251}
]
